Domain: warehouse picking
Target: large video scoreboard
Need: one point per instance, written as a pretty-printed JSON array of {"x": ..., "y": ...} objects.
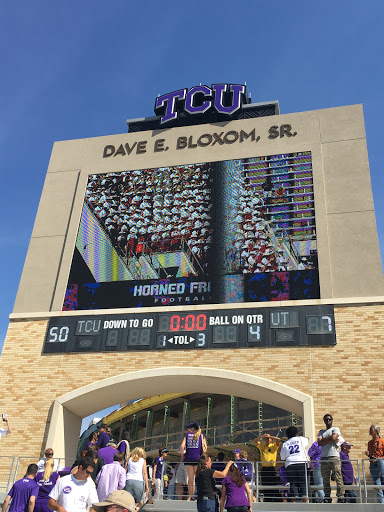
[{"x": 228, "y": 231}]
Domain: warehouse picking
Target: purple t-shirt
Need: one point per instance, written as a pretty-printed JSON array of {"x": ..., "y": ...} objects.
[
  {"x": 107, "y": 454},
  {"x": 20, "y": 493},
  {"x": 315, "y": 454},
  {"x": 346, "y": 468},
  {"x": 45, "y": 486},
  {"x": 193, "y": 449},
  {"x": 159, "y": 461},
  {"x": 103, "y": 440},
  {"x": 235, "y": 495},
  {"x": 122, "y": 447},
  {"x": 245, "y": 467}
]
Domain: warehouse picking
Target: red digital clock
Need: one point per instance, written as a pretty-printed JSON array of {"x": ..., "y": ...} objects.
[{"x": 182, "y": 322}]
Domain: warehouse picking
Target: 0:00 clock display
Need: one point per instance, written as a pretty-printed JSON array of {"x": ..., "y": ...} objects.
[{"x": 175, "y": 323}]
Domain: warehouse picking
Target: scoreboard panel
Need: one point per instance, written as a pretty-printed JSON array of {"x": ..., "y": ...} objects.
[{"x": 228, "y": 328}]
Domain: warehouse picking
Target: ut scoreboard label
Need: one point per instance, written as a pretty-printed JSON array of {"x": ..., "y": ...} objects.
[{"x": 229, "y": 328}]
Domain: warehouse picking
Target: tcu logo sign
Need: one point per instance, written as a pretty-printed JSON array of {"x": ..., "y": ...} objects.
[{"x": 200, "y": 99}]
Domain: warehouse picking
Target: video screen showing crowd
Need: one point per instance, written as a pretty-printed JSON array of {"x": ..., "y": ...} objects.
[
  {"x": 156, "y": 211},
  {"x": 221, "y": 222}
]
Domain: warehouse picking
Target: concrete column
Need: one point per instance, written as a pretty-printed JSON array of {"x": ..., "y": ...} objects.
[{"x": 63, "y": 435}]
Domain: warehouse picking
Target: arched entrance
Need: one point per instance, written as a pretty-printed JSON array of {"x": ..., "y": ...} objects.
[{"x": 69, "y": 409}]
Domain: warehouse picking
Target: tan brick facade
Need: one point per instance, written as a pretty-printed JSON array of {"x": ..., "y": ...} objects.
[{"x": 345, "y": 380}]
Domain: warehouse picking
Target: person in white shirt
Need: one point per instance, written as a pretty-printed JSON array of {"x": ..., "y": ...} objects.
[
  {"x": 75, "y": 493},
  {"x": 137, "y": 476},
  {"x": 295, "y": 455},
  {"x": 48, "y": 454}
]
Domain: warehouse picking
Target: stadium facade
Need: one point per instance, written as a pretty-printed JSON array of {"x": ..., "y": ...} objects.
[{"x": 236, "y": 258}]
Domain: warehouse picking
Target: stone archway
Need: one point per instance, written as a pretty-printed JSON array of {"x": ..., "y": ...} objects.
[{"x": 69, "y": 409}]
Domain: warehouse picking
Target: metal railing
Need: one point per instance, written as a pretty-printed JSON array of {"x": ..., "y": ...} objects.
[
  {"x": 14, "y": 468},
  {"x": 18, "y": 466},
  {"x": 310, "y": 488},
  {"x": 280, "y": 492}
]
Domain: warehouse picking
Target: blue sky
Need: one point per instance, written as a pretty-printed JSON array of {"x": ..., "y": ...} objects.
[{"x": 80, "y": 69}]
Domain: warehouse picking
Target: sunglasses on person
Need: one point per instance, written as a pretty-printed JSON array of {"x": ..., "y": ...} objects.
[
  {"x": 49, "y": 454},
  {"x": 112, "y": 508}
]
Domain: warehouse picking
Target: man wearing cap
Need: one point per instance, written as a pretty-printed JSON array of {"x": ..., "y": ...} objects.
[
  {"x": 268, "y": 446},
  {"x": 121, "y": 501},
  {"x": 347, "y": 472},
  {"x": 236, "y": 454},
  {"x": 158, "y": 473},
  {"x": 376, "y": 454},
  {"x": 103, "y": 438}
]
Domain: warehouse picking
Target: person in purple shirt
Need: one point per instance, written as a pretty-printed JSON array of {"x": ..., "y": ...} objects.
[
  {"x": 314, "y": 453},
  {"x": 158, "y": 473},
  {"x": 123, "y": 447},
  {"x": 108, "y": 453},
  {"x": 235, "y": 492},
  {"x": 23, "y": 493},
  {"x": 92, "y": 439},
  {"x": 103, "y": 438},
  {"x": 244, "y": 465},
  {"x": 347, "y": 472},
  {"x": 192, "y": 447},
  {"x": 46, "y": 481}
]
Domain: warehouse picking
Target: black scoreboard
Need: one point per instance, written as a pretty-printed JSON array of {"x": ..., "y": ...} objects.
[{"x": 225, "y": 328}]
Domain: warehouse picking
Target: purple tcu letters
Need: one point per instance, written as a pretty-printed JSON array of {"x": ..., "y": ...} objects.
[{"x": 198, "y": 100}]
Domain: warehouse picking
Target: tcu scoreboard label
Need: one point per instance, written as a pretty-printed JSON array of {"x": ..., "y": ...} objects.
[{"x": 229, "y": 328}]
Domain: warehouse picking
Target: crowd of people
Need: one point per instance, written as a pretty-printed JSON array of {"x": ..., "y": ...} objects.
[
  {"x": 109, "y": 474},
  {"x": 256, "y": 247},
  {"x": 155, "y": 210},
  {"x": 327, "y": 458},
  {"x": 287, "y": 470}
]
